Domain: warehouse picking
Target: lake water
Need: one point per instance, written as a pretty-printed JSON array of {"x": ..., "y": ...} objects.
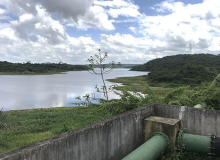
[{"x": 44, "y": 91}]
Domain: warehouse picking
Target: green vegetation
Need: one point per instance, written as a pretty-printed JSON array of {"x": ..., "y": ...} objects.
[
  {"x": 135, "y": 84},
  {"x": 184, "y": 96},
  {"x": 7, "y": 68},
  {"x": 176, "y": 61},
  {"x": 193, "y": 72},
  {"x": 4, "y": 121},
  {"x": 187, "y": 96},
  {"x": 180, "y": 70},
  {"x": 29, "y": 126},
  {"x": 127, "y": 101}
]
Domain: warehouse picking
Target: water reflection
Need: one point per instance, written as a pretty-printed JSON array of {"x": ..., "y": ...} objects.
[{"x": 43, "y": 91}]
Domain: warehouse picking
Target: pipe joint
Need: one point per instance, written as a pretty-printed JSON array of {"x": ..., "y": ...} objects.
[{"x": 179, "y": 139}]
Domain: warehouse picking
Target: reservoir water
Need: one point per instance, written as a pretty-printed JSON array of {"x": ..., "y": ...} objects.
[{"x": 44, "y": 91}]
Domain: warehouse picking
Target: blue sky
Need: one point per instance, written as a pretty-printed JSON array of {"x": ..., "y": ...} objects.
[{"x": 130, "y": 31}]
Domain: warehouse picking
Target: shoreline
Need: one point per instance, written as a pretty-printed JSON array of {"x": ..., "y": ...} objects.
[
  {"x": 49, "y": 73},
  {"x": 33, "y": 74}
]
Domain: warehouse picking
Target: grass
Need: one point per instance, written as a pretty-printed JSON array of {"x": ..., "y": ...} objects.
[
  {"x": 30, "y": 126},
  {"x": 136, "y": 83}
]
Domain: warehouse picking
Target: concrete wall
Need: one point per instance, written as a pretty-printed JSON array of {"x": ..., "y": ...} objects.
[
  {"x": 194, "y": 120},
  {"x": 111, "y": 139},
  {"x": 116, "y": 137}
]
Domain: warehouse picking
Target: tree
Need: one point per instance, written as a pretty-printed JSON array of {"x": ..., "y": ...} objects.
[{"x": 98, "y": 60}]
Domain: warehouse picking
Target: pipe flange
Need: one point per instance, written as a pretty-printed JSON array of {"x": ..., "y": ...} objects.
[
  {"x": 179, "y": 139},
  {"x": 215, "y": 146},
  {"x": 165, "y": 136}
]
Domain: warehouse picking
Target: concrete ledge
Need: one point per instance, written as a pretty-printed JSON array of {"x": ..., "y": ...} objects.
[
  {"x": 111, "y": 139},
  {"x": 115, "y": 137}
]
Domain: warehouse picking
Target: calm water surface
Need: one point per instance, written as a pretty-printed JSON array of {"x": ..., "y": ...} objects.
[{"x": 44, "y": 91}]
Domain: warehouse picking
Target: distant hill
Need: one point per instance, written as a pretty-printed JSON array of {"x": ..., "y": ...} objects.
[
  {"x": 182, "y": 69},
  {"x": 37, "y": 68},
  {"x": 119, "y": 66}
]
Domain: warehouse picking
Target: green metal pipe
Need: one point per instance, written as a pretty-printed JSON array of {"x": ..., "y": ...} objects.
[
  {"x": 150, "y": 150},
  {"x": 195, "y": 143}
]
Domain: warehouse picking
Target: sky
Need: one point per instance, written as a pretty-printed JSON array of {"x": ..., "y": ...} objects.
[{"x": 131, "y": 31}]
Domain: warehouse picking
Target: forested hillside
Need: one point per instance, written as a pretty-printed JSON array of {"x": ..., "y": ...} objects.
[
  {"x": 182, "y": 69},
  {"x": 29, "y": 68}
]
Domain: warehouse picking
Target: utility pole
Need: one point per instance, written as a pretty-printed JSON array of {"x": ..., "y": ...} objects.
[
  {"x": 190, "y": 48},
  {"x": 219, "y": 49}
]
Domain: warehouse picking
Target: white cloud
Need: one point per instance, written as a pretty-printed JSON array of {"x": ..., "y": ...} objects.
[
  {"x": 37, "y": 30},
  {"x": 125, "y": 48},
  {"x": 128, "y": 12},
  {"x": 2, "y": 11},
  {"x": 73, "y": 50},
  {"x": 112, "y": 4},
  {"x": 66, "y": 9},
  {"x": 133, "y": 20},
  {"x": 30, "y": 27},
  {"x": 4, "y": 14},
  {"x": 80, "y": 14},
  {"x": 95, "y": 18},
  {"x": 118, "y": 8},
  {"x": 8, "y": 33},
  {"x": 98, "y": 14},
  {"x": 184, "y": 24},
  {"x": 133, "y": 29}
]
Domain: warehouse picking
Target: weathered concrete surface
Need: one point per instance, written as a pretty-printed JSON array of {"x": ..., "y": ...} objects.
[
  {"x": 115, "y": 137},
  {"x": 167, "y": 126},
  {"x": 194, "y": 120},
  {"x": 111, "y": 139}
]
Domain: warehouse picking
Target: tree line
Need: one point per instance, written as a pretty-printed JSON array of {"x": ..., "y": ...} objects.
[{"x": 34, "y": 68}]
